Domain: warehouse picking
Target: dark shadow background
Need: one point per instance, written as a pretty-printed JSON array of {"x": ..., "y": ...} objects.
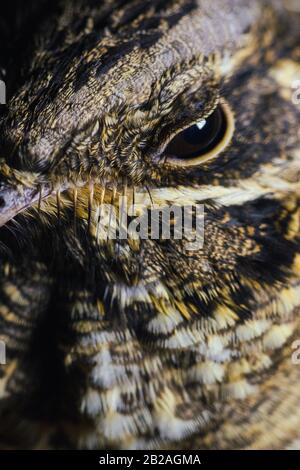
[{"x": 19, "y": 20}]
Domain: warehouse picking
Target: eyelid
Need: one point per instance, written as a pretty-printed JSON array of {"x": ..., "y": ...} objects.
[{"x": 220, "y": 147}]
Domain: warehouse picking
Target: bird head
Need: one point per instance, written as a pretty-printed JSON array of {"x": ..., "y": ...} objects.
[{"x": 124, "y": 108}]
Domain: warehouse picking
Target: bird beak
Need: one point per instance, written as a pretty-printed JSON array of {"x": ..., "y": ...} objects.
[{"x": 14, "y": 200}]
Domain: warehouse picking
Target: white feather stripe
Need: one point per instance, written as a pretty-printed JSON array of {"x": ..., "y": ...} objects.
[
  {"x": 252, "y": 329},
  {"x": 239, "y": 390},
  {"x": 207, "y": 372},
  {"x": 277, "y": 335}
]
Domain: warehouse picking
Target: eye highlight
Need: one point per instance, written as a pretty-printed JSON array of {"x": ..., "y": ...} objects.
[{"x": 204, "y": 140}]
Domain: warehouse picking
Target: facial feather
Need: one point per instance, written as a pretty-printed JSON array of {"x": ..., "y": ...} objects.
[{"x": 138, "y": 334}]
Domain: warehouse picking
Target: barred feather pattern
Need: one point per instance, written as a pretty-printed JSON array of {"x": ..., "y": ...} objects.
[{"x": 142, "y": 343}]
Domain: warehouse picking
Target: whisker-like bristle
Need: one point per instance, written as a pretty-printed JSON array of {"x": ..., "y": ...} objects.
[
  {"x": 40, "y": 199},
  {"x": 121, "y": 210},
  {"x": 90, "y": 208},
  {"x": 113, "y": 196},
  {"x": 100, "y": 213},
  {"x": 75, "y": 200},
  {"x": 58, "y": 203},
  {"x": 150, "y": 195},
  {"x": 133, "y": 197},
  {"x": 125, "y": 188}
]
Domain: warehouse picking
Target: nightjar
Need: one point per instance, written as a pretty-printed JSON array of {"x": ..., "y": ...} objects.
[{"x": 142, "y": 342}]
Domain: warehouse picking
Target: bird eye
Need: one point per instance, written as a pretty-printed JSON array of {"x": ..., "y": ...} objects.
[{"x": 204, "y": 140}]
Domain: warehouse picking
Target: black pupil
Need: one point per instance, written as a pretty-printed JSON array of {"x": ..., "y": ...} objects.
[{"x": 199, "y": 139}]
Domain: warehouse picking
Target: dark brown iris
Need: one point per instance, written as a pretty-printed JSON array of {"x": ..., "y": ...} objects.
[{"x": 199, "y": 139}]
